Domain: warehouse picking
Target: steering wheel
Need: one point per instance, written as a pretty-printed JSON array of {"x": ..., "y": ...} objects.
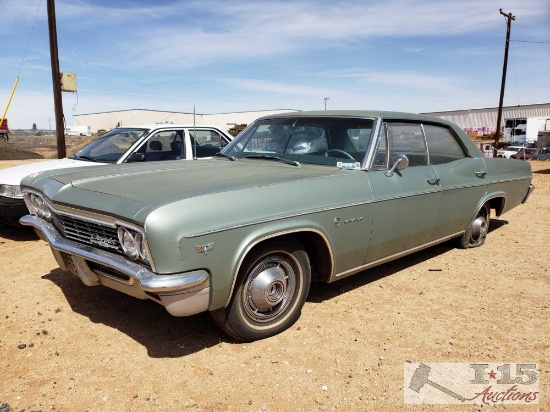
[{"x": 338, "y": 151}]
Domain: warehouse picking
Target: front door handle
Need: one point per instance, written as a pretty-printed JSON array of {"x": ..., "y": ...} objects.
[
  {"x": 481, "y": 173},
  {"x": 434, "y": 181}
]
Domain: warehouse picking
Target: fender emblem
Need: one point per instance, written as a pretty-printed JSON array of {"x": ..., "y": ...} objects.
[
  {"x": 338, "y": 221},
  {"x": 204, "y": 249}
]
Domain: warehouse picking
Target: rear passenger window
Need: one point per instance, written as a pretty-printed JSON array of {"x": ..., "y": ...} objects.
[
  {"x": 442, "y": 145},
  {"x": 207, "y": 138}
]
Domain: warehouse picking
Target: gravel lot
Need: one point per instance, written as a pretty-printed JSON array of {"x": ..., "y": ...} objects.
[{"x": 92, "y": 349}]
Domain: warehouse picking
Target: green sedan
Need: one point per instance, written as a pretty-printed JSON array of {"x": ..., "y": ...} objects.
[{"x": 295, "y": 198}]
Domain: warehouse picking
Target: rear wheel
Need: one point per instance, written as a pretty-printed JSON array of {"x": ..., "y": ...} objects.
[
  {"x": 477, "y": 231},
  {"x": 272, "y": 287}
]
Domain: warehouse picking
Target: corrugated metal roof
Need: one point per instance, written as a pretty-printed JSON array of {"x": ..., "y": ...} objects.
[{"x": 487, "y": 118}]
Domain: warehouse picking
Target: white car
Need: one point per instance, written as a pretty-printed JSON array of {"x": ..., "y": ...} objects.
[
  {"x": 143, "y": 143},
  {"x": 509, "y": 151}
]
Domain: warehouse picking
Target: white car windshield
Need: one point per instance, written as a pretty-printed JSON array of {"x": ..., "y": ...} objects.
[{"x": 111, "y": 146}]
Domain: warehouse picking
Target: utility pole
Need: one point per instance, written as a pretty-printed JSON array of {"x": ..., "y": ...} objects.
[
  {"x": 56, "y": 79},
  {"x": 509, "y": 18},
  {"x": 325, "y": 99}
]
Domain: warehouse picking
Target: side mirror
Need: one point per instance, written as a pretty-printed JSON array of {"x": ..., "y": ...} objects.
[
  {"x": 136, "y": 157},
  {"x": 400, "y": 162}
]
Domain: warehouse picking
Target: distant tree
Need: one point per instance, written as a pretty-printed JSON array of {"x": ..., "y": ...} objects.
[{"x": 34, "y": 126}]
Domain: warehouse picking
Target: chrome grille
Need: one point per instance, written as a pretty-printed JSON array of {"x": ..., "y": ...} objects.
[{"x": 83, "y": 231}]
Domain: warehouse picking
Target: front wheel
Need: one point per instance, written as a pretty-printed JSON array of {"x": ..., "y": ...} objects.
[
  {"x": 272, "y": 287},
  {"x": 477, "y": 231}
]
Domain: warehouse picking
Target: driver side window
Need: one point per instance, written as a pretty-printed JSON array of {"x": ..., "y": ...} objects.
[
  {"x": 401, "y": 138},
  {"x": 164, "y": 145}
]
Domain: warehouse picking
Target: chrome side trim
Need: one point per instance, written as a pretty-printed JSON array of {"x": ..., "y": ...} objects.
[
  {"x": 529, "y": 191},
  {"x": 306, "y": 212},
  {"x": 456, "y": 187},
  {"x": 394, "y": 256},
  {"x": 149, "y": 281},
  {"x": 275, "y": 218},
  {"x": 286, "y": 232},
  {"x": 508, "y": 180}
]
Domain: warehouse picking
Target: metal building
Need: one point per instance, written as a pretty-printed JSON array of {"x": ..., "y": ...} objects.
[
  {"x": 485, "y": 120},
  {"x": 225, "y": 121},
  {"x": 479, "y": 121}
]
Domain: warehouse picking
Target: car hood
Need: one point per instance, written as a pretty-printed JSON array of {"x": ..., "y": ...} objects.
[
  {"x": 125, "y": 190},
  {"x": 13, "y": 175}
]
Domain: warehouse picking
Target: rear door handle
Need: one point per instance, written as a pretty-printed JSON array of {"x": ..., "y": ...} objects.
[
  {"x": 481, "y": 174},
  {"x": 434, "y": 181}
]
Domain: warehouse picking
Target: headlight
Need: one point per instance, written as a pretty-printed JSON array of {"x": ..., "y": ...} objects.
[
  {"x": 11, "y": 191},
  {"x": 134, "y": 244},
  {"x": 128, "y": 243},
  {"x": 37, "y": 206}
]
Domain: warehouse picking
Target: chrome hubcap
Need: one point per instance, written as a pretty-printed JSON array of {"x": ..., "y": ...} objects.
[
  {"x": 479, "y": 228},
  {"x": 269, "y": 288}
]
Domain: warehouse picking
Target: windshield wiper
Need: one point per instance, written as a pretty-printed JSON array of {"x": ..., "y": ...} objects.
[
  {"x": 88, "y": 158},
  {"x": 279, "y": 159},
  {"x": 232, "y": 158}
]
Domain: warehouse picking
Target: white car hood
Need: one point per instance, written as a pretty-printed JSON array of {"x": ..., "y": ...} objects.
[{"x": 13, "y": 175}]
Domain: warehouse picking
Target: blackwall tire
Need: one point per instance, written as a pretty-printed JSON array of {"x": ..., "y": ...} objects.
[
  {"x": 476, "y": 233},
  {"x": 272, "y": 287}
]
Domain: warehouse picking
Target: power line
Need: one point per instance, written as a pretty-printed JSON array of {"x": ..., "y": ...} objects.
[
  {"x": 29, "y": 41},
  {"x": 530, "y": 41}
]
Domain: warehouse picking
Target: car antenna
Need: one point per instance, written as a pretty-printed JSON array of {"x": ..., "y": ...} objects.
[{"x": 194, "y": 136}]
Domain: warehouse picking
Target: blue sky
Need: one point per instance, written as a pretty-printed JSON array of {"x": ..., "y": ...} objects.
[{"x": 226, "y": 56}]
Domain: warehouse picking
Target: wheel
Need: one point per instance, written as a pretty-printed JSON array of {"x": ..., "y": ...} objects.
[
  {"x": 273, "y": 285},
  {"x": 477, "y": 231},
  {"x": 338, "y": 151}
]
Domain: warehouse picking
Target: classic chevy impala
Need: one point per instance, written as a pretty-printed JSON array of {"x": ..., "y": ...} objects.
[{"x": 295, "y": 198}]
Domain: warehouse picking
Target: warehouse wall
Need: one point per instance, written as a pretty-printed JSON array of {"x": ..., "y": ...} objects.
[
  {"x": 487, "y": 118},
  {"x": 109, "y": 120}
]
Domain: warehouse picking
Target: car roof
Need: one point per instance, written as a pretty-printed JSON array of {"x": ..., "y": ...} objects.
[
  {"x": 360, "y": 113},
  {"x": 165, "y": 125}
]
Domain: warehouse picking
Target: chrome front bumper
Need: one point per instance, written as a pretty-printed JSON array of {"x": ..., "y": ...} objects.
[{"x": 182, "y": 294}]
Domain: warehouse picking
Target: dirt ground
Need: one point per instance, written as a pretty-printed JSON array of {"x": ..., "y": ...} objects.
[{"x": 93, "y": 349}]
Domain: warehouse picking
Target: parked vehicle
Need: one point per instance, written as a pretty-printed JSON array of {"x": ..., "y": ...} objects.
[
  {"x": 525, "y": 153},
  {"x": 509, "y": 151},
  {"x": 244, "y": 234},
  {"x": 543, "y": 154},
  {"x": 487, "y": 149},
  {"x": 524, "y": 130},
  {"x": 4, "y": 130},
  {"x": 143, "y": 143}
]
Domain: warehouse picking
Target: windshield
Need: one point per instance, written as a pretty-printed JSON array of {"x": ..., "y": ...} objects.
[
  {"x": 333, "y": 141},
  {"x": 111, "y": 146}
]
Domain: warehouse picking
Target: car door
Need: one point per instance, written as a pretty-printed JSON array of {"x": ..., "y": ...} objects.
[
  {"x": 204, "y": 142},
  {"x": 406, "y": 202},
  {"x": 460, "y": 177}
]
